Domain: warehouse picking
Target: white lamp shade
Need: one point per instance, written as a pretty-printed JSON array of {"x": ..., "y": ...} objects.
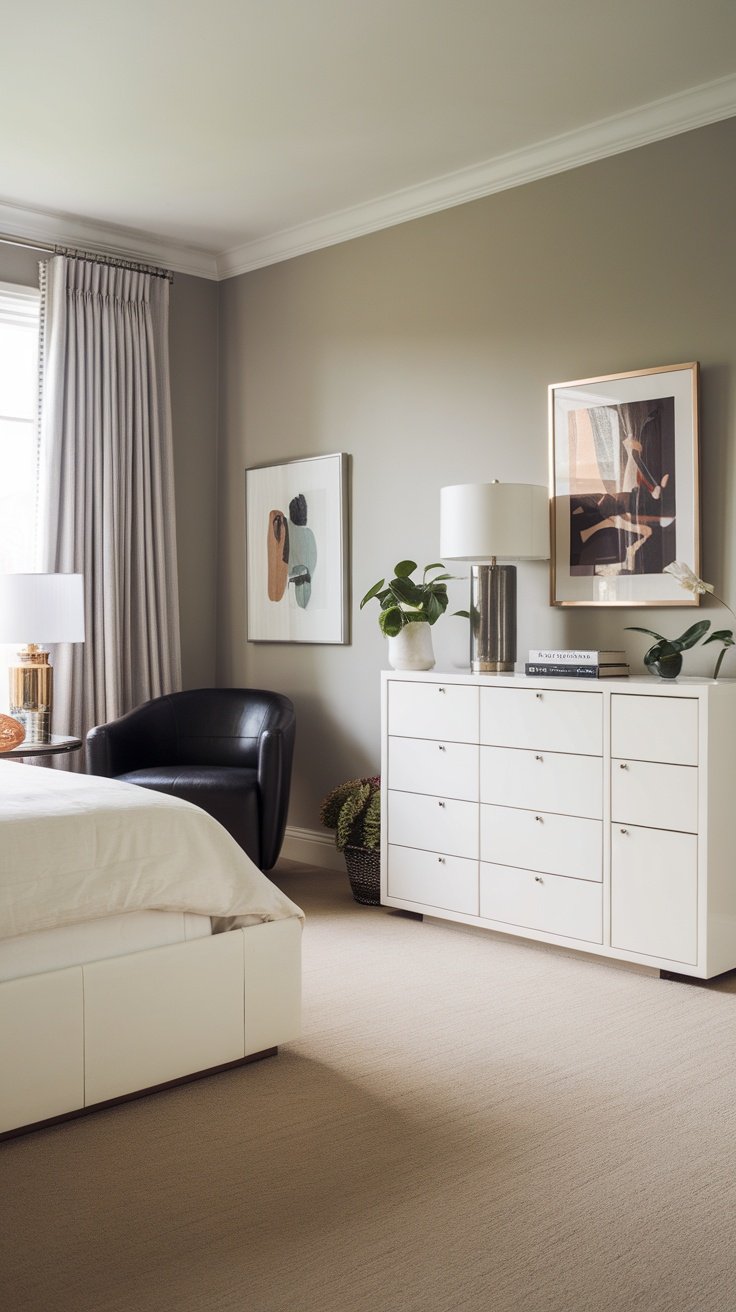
[
  {"x": 507, "y": 520},
  {"x": 41, "y": 608}
]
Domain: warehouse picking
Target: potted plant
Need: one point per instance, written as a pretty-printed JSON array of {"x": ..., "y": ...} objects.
[
  {"x": 407, "y": 610},
  {"x": 353, "y": 810}
]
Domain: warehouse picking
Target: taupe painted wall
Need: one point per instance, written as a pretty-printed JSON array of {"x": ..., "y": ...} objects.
[
  {"x": 193, "y": 347},
  {"x": 425, "y": 351}
]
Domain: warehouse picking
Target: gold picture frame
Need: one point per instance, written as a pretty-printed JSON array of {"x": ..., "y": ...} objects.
[{"x": 624, "y": 487}]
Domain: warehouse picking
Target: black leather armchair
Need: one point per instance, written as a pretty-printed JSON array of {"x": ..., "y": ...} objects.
[{"x": 228, "y": 750}]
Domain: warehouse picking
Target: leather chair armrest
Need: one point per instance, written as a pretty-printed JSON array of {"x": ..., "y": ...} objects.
[
  {"x": 132, "y": 742},
  {"x": 275, "y": 753}
]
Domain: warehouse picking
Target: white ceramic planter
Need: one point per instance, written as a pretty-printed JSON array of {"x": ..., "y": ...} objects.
[{"x": 411, "y": 649}]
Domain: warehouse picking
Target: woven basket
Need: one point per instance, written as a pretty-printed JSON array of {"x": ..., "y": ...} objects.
[{"x": 364, "y": 872}]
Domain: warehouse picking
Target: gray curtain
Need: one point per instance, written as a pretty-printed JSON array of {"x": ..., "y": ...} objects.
[{"x": 106, "y": 484}]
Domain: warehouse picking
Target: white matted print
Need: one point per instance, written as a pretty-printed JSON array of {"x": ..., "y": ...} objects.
[
  {"x": 624, "y": 487},
  {"x": 296, "y": 548}
]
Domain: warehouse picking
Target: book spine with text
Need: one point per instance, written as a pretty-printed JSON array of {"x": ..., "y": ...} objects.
[
  {"x": 566, "y": 656},
  {"x": 576, "y": 671}
]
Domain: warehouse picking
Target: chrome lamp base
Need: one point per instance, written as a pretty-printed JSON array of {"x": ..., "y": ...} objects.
[{"x": 492, "y": 618}]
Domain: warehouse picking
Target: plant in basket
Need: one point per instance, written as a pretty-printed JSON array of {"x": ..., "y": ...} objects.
[{"x": 353, "y": 810}]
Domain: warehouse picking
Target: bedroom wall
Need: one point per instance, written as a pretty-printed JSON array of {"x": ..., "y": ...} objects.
[
  {"x": 193, "y": 348},
  {"x": 425, "y": 351}
]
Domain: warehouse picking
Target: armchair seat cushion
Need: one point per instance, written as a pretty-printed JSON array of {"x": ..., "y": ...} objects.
[{"x": 229, "y": 793}]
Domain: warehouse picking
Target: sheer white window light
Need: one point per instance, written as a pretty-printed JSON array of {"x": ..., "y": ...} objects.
[{"x": 19, "y": 333}]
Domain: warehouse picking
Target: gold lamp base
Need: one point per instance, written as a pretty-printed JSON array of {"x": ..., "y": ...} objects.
[{"x": 31, "y": 693}]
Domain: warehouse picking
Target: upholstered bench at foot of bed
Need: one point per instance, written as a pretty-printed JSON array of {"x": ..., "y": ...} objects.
[{"x": 88, "y": 1034}]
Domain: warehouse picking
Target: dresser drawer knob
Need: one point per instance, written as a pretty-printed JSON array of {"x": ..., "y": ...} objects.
[
  {"x": 441, "y": 690},
  {"x": 539, "y": 696},
  {"x": 440, "y": 804},
  {"x": 442, "y": 747},
  {"x": 538, "y": 879},
  {"x": 623, "y": 831},
  {"x": 539, "y": 819},
  {"x": 622, "y": 765},
  {"x": 441, "y": 860},
  {"x": 538, "y": 758}
]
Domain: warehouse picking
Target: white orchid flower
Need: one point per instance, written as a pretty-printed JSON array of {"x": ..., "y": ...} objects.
[{"x": 687, "y": 579}]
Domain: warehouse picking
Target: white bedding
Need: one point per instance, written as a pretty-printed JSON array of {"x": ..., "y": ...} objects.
[{"x": 77, "y": 847}]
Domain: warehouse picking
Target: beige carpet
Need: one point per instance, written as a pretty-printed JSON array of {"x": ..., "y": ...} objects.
[{"x": 466, "y": 1124}]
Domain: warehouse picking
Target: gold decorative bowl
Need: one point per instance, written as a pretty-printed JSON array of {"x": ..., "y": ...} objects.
[{"x": 12, "y": 733}]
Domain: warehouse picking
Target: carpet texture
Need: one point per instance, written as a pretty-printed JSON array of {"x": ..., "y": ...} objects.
[{"x": 467, "y": 1123}]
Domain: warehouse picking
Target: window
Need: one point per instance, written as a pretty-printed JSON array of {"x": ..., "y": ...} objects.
[{"x": 19, "y": 346}]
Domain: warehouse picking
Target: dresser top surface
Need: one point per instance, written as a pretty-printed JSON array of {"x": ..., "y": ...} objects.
[{"x": 639, "y": 684}]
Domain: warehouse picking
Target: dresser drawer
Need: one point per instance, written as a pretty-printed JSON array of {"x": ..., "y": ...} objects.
[
  {"x": 539, "y": 719},
  {"x": 540, "y": 840},
  {"x": 570, "y": 908},
  {"x": 431, "y": 879},
  {"x": 654, "y": 893},
  {"x": 435, "y": 824},
  {"x": 447, "y": 769},
  {"x": 655, "y": 728},
  {"x": 433, "y": 710},
  {"x": 544, "y": 781},
  {"x": 659, "y": 796}
]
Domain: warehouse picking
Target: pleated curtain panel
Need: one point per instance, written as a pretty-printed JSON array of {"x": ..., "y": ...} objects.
[{"x": 106, "y": 484}]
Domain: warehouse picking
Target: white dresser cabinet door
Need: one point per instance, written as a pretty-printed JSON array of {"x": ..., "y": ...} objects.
[
  {"x": 443, "y": 711},
  {"x": 540, "y": 840},
  {"x": 658, "y": 796},
  {"x": 543, "y": 720},
  {"x": 437, "y": 824},
  {"x": 654, "y": 884},
  {"x": 548, "y": 781},
  {"x": 569, "y": 908},
  {"x": 449, "y": 883},
  {"x": 655, "y": 728},
  {"x": 446, "y": 769}
]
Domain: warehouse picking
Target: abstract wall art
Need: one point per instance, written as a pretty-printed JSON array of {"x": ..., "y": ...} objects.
[
  {"x": 624, "y": 487},
  {"x": 296, "y": 550}
]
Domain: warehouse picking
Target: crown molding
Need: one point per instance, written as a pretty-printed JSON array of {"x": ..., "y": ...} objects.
[
  {"x": 43, "y": 226},
  {"x": 663, "y": 118}
]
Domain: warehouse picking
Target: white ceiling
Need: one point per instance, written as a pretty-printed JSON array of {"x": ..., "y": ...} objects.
[{"x": 223, "y": 135}]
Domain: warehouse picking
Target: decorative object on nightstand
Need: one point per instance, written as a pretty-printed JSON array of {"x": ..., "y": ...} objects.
[
  {"x": 12, "y": 733},
  {"x": 353, "y": 810},
  {"x": 35, "y": 609},
  {"x": 408, "y": 609},
  {"x": 480, "y": 523}
]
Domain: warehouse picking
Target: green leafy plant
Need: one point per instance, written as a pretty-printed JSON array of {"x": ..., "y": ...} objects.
[
  {"x": 404, "y": 601},
  {"x": 669, "y": 649},
  {"x": 692, "y": 583},
  {"x": 353, "y": 810}
]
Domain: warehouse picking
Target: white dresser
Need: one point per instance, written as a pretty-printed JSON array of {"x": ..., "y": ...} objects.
[{"x": 597, "y": 815}]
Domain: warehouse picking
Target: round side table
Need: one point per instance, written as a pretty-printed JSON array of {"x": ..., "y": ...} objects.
[{"x": 56, "y": 744}]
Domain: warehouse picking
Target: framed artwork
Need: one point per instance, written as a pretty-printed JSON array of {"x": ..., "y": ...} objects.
[
  {"x": 624, "y": 487},
  {"x": 296, "y": 549}
]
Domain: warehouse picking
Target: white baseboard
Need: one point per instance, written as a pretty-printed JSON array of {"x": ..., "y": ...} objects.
[{"x": 313, "y": 848}]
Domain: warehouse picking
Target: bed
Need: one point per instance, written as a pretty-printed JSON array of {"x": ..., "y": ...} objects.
[{"x": 139, "y": 946}]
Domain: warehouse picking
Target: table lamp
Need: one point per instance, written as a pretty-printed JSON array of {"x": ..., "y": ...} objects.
[
  {"x": 480, "y": 522},
  {"x": 35, "y": 609}
]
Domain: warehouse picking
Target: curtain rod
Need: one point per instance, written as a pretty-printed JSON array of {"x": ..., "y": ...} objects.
[{"x": 71, "y": 253}]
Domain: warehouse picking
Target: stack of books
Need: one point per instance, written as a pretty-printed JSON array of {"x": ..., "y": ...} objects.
[{"x": 569, "y": 663}]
